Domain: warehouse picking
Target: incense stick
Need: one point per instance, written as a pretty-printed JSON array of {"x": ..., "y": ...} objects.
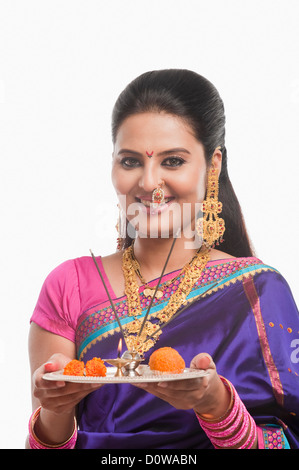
[
  {"x": 184, "y": 308},
  {"x": 179, "y": 312},
  {"x": 157, "y": 286},
  {"x": 109, "y": 297}
]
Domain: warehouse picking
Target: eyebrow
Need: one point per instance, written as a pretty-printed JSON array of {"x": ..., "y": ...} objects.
[{"x": 160, "y": 154}]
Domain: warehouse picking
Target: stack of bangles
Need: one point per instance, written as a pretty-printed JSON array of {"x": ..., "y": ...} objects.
[
  {"x": 35, "y": 443},
  {"x": 236, "y": 429}
]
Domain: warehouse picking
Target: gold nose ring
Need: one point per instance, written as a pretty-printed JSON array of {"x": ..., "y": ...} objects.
[{"x": 158, "y": 196}]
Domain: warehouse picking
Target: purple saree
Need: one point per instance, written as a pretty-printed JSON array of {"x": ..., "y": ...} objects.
[{"x": 247, "y": 323}]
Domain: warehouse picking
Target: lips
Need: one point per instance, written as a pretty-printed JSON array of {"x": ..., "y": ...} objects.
[{"x": 146, "y": 201}]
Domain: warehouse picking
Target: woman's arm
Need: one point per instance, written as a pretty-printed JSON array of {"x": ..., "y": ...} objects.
[
  {"x": 207, "y": 396},
  {"x": 49, "y": 352}
]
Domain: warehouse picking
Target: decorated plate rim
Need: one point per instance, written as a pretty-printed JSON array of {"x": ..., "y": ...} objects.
[{"x": 146, "y": 375}]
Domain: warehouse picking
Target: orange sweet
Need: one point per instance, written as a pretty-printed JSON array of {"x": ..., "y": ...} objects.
[
  {"x": 167, "y": 360},
  {"x": 95, "y": 367},
  {"x": 74, "y": 367}
]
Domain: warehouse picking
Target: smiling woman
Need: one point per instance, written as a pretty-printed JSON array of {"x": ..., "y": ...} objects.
[
  {"x": 224, "y": 312},
  {"x": 179, "y": 169},
  {"x": 187, "y": 107}
]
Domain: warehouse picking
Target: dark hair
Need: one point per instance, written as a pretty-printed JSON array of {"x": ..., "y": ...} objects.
[{"x": 194, "y": 99}]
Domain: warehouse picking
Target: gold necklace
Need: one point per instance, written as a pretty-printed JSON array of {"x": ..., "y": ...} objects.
[
  {"x": 190, "y": 275},
  {"x": 150, "y": 290}
]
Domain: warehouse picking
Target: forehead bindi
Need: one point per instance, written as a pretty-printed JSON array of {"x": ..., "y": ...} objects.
[{"x": 153, "y": 135}]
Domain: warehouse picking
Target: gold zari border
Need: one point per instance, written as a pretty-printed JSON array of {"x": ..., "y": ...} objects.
[{"x": 220, "y": 285}]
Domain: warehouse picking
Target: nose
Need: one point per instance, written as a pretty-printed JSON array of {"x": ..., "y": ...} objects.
[{"x": 150, "y": 178}]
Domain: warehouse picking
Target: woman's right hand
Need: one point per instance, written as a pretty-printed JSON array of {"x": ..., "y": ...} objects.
[{"x": 58, "y": 397}]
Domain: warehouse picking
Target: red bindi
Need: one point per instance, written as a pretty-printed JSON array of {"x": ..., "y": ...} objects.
[{"x": 149, "y": 154}]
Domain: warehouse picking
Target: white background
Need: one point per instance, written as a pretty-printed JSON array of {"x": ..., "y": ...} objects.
[{"x": 62, "y": 65}]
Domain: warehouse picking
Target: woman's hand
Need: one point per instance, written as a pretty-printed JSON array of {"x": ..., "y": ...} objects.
[
  {"x": 58, "y": 400},
  {"x": 206, "y": 395},
  {"x": 58, "y": 397}
]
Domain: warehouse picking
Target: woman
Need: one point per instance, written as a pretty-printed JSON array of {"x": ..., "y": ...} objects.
[{"x": 169, "y": 148}]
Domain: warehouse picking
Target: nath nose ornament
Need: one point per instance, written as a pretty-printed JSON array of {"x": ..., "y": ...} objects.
[{"x": 158, "y": 195}]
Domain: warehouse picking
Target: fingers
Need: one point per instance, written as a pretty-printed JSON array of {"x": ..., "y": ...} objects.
[
  {"x": 58, "y": 396},
  {"x": 188, "y": 393},
  {"x": 180, "y": 399},
  {"x": 202, "y": 361},
  {"x": 68, "y": 392},
  {"x": 174, "y": 387},
  {"x": 65, "y": 389},
  {"x": 51, "y": 367},
  {"x": 62, "y": 398},
  {"x": 56, "y": 362},
  {"x": 59, "y": 388},
  {"x": 41, "y": 384},
  {"x": 184, "y": 385}
]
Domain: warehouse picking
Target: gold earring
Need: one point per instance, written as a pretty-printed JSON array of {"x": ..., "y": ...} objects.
[
  {"x": 210, "y": 227},
  {"x": 119, "y": 228}
]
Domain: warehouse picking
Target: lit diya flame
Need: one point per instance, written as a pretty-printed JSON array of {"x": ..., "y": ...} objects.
[{"x": 119, "y": 347}]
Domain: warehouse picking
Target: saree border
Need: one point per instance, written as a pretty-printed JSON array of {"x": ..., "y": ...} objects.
[
  {"x": 201, "y": 290},
  {"x": 253, "y": 298}
]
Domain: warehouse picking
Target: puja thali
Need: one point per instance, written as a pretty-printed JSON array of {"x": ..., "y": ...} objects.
[{"x": 142, "y": 375}]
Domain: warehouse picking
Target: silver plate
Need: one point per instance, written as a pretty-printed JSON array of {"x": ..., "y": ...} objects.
[{"x": 145, "y": 375}]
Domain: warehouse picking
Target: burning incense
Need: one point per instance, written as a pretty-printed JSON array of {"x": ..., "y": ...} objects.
[
  {"x": 157, "y": 286},
  {"x": 182, "y": 310},
  {"x": 109, "y": 297},
  {"x": 178, "y": 313}
]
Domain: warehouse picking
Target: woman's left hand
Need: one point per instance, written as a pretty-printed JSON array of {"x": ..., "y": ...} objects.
[{"x": 206, "y": 395}]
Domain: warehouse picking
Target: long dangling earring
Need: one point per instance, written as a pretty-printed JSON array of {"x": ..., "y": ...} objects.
[
  {"x": 210, "y": 227},
  {"x": 119, "y": 228}
]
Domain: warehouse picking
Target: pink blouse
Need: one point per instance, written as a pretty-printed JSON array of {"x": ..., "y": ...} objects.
[
  {"x": 72, "y": 288},
  {"x": 69, "y": 290}
]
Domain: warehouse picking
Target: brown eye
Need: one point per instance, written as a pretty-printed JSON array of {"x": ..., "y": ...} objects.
[
  {"x": 173, "y": 161},
  {"x": 130, "y": 162}
]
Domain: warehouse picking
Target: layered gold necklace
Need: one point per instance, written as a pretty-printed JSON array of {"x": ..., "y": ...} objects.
[
  {"x": 189, "y": 275},
  {"x": 150, "y": 291}
]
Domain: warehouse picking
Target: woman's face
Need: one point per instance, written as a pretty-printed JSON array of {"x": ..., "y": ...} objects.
[{"x": 151, "y": 148}]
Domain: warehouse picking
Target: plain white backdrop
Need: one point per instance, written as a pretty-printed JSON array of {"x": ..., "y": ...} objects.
[{"x": 62, "y": 65}]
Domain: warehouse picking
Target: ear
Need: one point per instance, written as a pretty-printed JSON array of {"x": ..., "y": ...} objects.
[{"x": 217, "y": 159}]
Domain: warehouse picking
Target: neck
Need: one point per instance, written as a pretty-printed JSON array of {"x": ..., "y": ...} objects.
[{"x": 152, "y": 253}]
